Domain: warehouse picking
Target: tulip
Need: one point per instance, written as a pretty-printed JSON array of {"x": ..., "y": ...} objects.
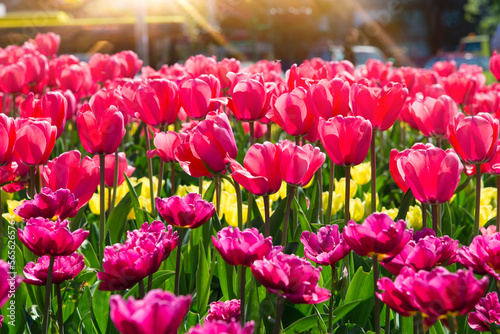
[
  {"x": 196, "y": 95},
  {"x": 36, "y": 68},
  {"x": 71, "y": 78},
  {"x": 35, "y": 141},
  {"x": 12, "y": 78},
  {"x": 123, "y": 168},
  {"x": 487, "y": 312},
  {"x": 186, "y": 212},
  {"x": 8, "y": 135},
  {"x": 70, "y": 171},
  {"x": 398, "y": 294},
  {"x": 104, "y": 67},
  {"x": 65, "y": 268},
  {"x": 129, "y": 63},
  {"x": 227, "y": 311},
  {"x": 8, "y": 283},
  {"x": 481, "y": 255},
  {"x": 52, "y": 106},
  {"x": 299, "y": 163},
  {"x": 249, "y": 100},
  {"x": 166, "y": 143},
  {"x": 189, "y": 162},
  {"x": 45, "y": 237},
  {"x": 216, "y": 327},
  {"x": 461, "y": 87},
  {"x": 260, "y": 129},
  {"x": 327, "y": 247},
  {"x": 291, "y": 114},
  {"x": 328, "y": 99},
  {"x": 48, "y": 204},
  {"x": 346, "y": 139},
  {"x": 433, "y": 116},
  {"x": 158, "y": 102},
  {"x": 158, "y": 312},
  {"x": 100, "y": 131},
  {"x": 200, "y": 64},
  {"x": 48, "y": 44}
]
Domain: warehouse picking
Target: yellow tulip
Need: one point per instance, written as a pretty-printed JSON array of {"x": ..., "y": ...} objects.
[
  {"x": 356, "y": 209},
  {"x": 11, "y": 205},
  {"x": 340, "y": 188},
  {"x": 362, "y": 173},
  {"x": 414, "y": 217},
  {"x": 368, "y": 202},
  {"x": 486, "y": 213},
  {"x": 393, "y": 213},
  {"x": 280, "y": 194},
  {"x": 338, "y": 202},
  {"x": 489, "y": 196}
]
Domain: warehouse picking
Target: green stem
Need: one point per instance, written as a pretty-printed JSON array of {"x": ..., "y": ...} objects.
[
  {"x": 475, "y": 230},
  {"x": 102, "y": 208},
  {"x": 115, "y": 183},
  {"x": 178, "y": 261},
  {"x": 59, "y": 309},
  {"x": 291, "y": 192},
  {"x": 280, "y": 307},
  {"x": 268, "y": 132},
  {"x": 424, "y": 215},
  {"x": 142, "y": 291},
  {"x": 319, "y": 175},
  {"x": 374, "y": 174},
  {"x": 249, "y": 211},
  {"x": 31, "y": 185},
  {"x": 150, "y": 282},
  {"x": 242, "y": 280},
  {"x": 252, "y": 133},
  {"x": 109, "y": 201},
  {"x": 435, "y": 218},
  {"x": 172, "y": 179},
  {"x": 498, "y": 202},
  {"x": 150, "y": 172},
  {"x": 267, "y": 221},
  {"x": 387, "y": 319},
  {"x": 39, "y": 180},
  {"x": 200, "y": 185},
  {"x": 451, "y": 324},
  {"x": 239, "y": 203},
  {"x": 332, "y": 291},
  {"x": 347, "y": 194},
  {"x": 217, "y": 194},
  {"x": 160, "y": 177},
  {"x": 48, "y": 293},
  {"x": 330, "y": 193},
  {"x": 377, "y": 301},
  {"x": 418, "y": 324}
]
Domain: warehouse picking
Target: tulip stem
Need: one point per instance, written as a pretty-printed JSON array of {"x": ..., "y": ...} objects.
[
  {"x": 280, "y": 307},
  {"x": 377, "y": 301},
  {"x": 438, "y": 142},
  {"x": 330, "y": 193},
  {"x": 451, "y": 324},
  {"x": 347, "y": 194},
  {"x": 59, "y": 309},
  {"x": 418, "y": 324},
  {"x": 319, "y": 176},
  {"x": 1, "y": 218},
  {"x": 291, "y": 193},
  {"x": 160, "y": 177},
  {"x": 242, "y": 279},
  {"x": 102, "y": 207},
  {"x": 332, "y": 290},
  {"x": 150, "y": 171},
  {"x": 150, "y": 282},
  {"x": 48, "y": 293},
  {"x": 39, "y": 180},
  {"x": 178, "y": 261},
  {"x": 249, "y": 211},
  {"x": 31, "y": 186},
  {"x": 115, "y": 183},
  {"x": 475, "y": 230},
  {"x": 252, "y": 138},
  {"x": 435, "y": 217},
  {"x": 172, "y": 179},
  {"x": 217, "y": 194},
  {"x": 498, "y": 202},
  {"x": 200, "y": 186},
  {"x": 109, "y": 201},
  {"x": 424, "y": 215},
  {"x": 267, "y": 221},
  {"x": 387, "y": 319},
  {"x": 374, "y": 173},
  {"x": 142, "y": 291},
  {"x": 268, "y": 132},
  {"x": 239, "y": 203}
]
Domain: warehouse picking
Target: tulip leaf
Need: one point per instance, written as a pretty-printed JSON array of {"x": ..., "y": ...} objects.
[
  {"x": 361, "y": 287},
  {"x": 159, "y": 278},
  {"x": 192, "y": 319},
  {"x": 351, "y": 329},
  {"x": 311, "y": 321},
  {"x": 437, "y": 328},
  {"x": 276, "y": 221},
  {"x": 90, "y": 255},
  {"x": 79, "y": 220},
  {"x": 216, "y": 224},
  {"x": 209, "y": 193},
  {"x": 405, "y": 205},
  {"x": 202, "y": 281},
  {"x": 139, "y": 215},
  {"x": 225, "y": 274},
  {"x": 313, "y": 212},
  {"x": 100, "y": 309},
  {"x": 117, "y": 221}
]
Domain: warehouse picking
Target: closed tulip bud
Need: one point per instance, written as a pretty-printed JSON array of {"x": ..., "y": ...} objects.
[
  {"x": 158, "y": 312},
  {"x": 299, "y": 163},
  {"x": 361, "y": 174},
  {"x": 397, "y": 172},
  {"x": 445, "y": 68},
  {"x": 474, "y": 138},
  {"x": 291, "y": 113},
  {"x": 8, "y": 135},
  {"x": 461, "y": 87},
  {"x": 346, "y": 139},
  {"x": 71, "y": 78},
  {"x": 249, "y": 100},
  {"x": 52, "y": 106},
  {"x": 432, "y": 116},
  {"x": 196, "y": 96},
  {"x": 65, "y": 268},
  {"x": 100, "y": 131},
  {"x": 48, "y": 44},
  {"x": 12, "y": 78},
  {"x": 158, "y": 102},
  {"x": 166, "y": 143},
  {"x": 104, "y": 67},
  {"x": 328, "y": 99},
  {"x": 130, "y": 63},
  {"x": 35, "y": 141},
  {"x": 37, "y": 67}
]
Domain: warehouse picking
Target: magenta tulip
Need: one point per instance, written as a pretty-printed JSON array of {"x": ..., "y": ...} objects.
[
  {"x": 48, "y": 44},
  {"x": 158, "y": 102},
  {"x": 196, "y": 96},
  {"x": 327, "y": 247},
  {"x": 8, "y": 135},
  {"x": 52, "y": 106},
  {"x": 398, "y": 294},
  {"x": 291, "y": 113},
  {"x": 187, "y": 212},
  {"x": 216, "y": 327},
  {"x": 433, "y": 116},
  {"x": 35, "y": 141},
  {"x": 487, "y": 313},
  {"x": 249, "y": 100},
  {"x": 12, "y": 78},
  {"x": 299, "y": 163},
  {"x": 461, "y": 87},
  {"x": 328, "y": 99},
  {"x": 48, "y": 204},
  {"x": 227, "y": 311},
  {"x": 65, "y": 268},
  {"x": 166, "y": 143}
]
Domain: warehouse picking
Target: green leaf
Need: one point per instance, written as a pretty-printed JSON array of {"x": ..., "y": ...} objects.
[
  {"x": 437, "y": 328},
  {"x": 313, "y": 212},
  {"x": 100, "y": 309},
  {"x": 117, "y": 221},
  {"x": 139, "y": 215},
  {"x": 225, "y": 274},
  {"x": 405, "y": 205},
  {"x": 89, "y": 253},
  {"x": 79, "y": 220},
  {"x": 276, "y": 221},
  {"x": 159, "y": 278},
  {"x": 209, "y": 194},
  {"x": 202, "y": 281},
  {"x": 361, "y": 288}
]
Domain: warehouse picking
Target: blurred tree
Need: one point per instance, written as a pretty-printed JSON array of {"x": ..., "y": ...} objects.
[{"x": 486, "y": 12}]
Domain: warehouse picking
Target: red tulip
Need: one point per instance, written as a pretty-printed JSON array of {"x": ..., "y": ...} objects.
[
  {"x": 52, "y": 105},
  {"x": 8, "y": 135},
  {"x": 12, "y": 78},
  {"x": 48, "y": 44},
  {"x": 199, "y": 65},
  {"x": 461, "y": 87},
  {"x": 130, "y": 63},
  {"x": 71, "y": 78},
  {"x": 432, "y": 174},
  {"x": 158, "y": 102},
  {"x": 109, "y": 166},
  {"x": 196, "y": 96},
  {"x": 328, "y": 99},
  {"x": 445, "y": 68},
  {"x": 433, "y": 115},
  {"x": 100, "y": 131},
  {"x": 65, "y": 268},
  {"x": 474, "y": 138},
  {"x": 299, "y": 163},
  {"x": 189, "y": 162},
  {"x": 35, "y": 141},
  {"x": 346, "y": 139},
  {"x": 249, "y": 100},
  {"x": 291, "y": 114},
  {"x": 69, "y": 171},
  {"x": 224, "y": 67},
  {"x": 261, "y": 173},
  {"x": 125, "y": 96}
]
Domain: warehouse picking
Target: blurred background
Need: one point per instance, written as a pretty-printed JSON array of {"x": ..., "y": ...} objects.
[{"x": 407, "y": 32}]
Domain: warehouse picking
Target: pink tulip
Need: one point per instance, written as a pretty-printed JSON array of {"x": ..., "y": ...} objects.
[
  {"x": 291, "y": 114},
  {"x": 104, "y": 67},
  {"x": 224, "y": 67},
  {"x": 125, "y": 96},
  {"x": 398, "y": 294},
  {"x": 432, "y": 116},
  {"x": 474, "y": 138},
  {"x": 328, "y": 99},
  {"x": 12, "y": 78},
  {"x": 487, "y": 313},
  {"x": 166, "y": 143},
  {"x": 461, "y": 87},
  {"x": 432, "y": 174},
  {"x": 52, "y": 106},
  {"x": 48, "y": 204},
  {"x": 380, "y": 107},
  {"x": 395, "y": 167},
  {"x": 445, "y": 68},
  {"x": 299, "y": 163},
  {"x": 48, "y": 44},
  {"x": 186, "y": 212},
  {"x": 158, "y": 102},
  {"x": 65, "y": 268},
  {"x": 8, "y": 135},
  {"x": 482, "y": 254},
  {"x": 378, "y": 235},
  {"x": 216, "y": 327},
  {"x": 199, "y": 65},
  {"x": 346, "y": 139},
  {"x": 227, "y": 311},
  {"x": 130, "y": 63},
  {"x": 45, "y": 237},
  {"x": 327, "y": 247},
  {"x": 109, "y": 166},
  {"x": 242, "y": 248},
  {"x": 196, "y": 96},
  {"x": 212, "y": 140},
  {"x": 291, "y": 277},
  {"x": 35, "y": 141},
  {"x": 100, "y": 131},
  {"x": 261, "y": 173},
  {"x": 71, "y": 78},
  {"x": 37, "y": 67},
  {"x": 249, "y": 100},
  {"x": 158, "y": 312},
  {"x": 189, "y": 162}
]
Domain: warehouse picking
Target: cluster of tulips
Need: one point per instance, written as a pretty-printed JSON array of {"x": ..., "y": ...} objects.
[{"x": 92, "y": 235}]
